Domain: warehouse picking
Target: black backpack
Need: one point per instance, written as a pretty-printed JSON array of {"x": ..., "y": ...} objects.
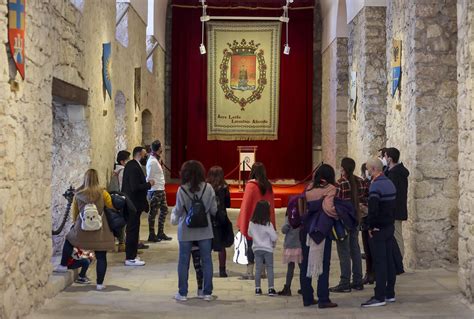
[{"x": 196, "y": 216}]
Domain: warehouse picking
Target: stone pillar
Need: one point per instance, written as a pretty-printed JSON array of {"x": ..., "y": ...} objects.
[
  {"x": 421, "y": 122},
  {"x": 366, "y": 123},
  {"x": 465, "y": 58},
  {"x": 317, "y": 81},
  {"x": 334, "y": 102}
]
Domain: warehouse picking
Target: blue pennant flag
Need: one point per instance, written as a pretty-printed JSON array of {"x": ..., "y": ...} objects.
[
  {"x": 106, "y": 67},
  {"x": 396, "y": 72}
]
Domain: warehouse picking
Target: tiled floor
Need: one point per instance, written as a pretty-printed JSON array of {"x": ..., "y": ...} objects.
[{"x": 147, "y": 292}]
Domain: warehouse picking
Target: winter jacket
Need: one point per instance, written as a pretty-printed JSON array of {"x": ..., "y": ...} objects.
[
  {"x": 382, "y": 200},
  {"x": 399, "y": 177},
  {"x": 135, "y": 186}
]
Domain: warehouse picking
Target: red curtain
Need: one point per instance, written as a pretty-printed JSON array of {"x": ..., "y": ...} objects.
[{"x": 288, "y": 157}]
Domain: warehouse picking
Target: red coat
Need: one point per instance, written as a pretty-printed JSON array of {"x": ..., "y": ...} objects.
[{"x": 252, "y": 196}]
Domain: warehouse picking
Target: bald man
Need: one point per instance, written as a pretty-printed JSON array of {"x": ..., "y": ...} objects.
[{"x": 380, "y": 219}]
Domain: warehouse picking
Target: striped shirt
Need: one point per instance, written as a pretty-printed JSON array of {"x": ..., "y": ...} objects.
[{"x": 382, "y": 201}]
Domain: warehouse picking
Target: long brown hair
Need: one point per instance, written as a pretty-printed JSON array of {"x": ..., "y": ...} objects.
[
  {"x": 215, "y": 177},
  {"x": 192, "y": 173},
  {"x": 90, "y": 188},
  {"x": 261, "y": 214},
  {"x": 349, "y": 165},
  {"x": 259, "y": 173}
]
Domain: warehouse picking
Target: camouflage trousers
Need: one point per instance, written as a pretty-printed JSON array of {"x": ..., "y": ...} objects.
[{"x": 157, "y": 203}]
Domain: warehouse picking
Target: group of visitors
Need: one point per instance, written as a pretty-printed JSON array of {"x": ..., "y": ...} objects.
[{"x": 328, "y": 210}]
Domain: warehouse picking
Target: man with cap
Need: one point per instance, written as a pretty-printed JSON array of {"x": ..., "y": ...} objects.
[{"x": 156, "y": 194}]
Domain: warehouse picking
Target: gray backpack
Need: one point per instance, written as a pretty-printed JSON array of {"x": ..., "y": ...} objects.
[{"x": 114, "y": 184}]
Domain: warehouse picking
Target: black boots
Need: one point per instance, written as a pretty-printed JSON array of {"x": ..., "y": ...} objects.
[
  {"x": 285, "y": 292},
  {"x": 222, "y": 272},
  {"x": 162, "y": 236}
]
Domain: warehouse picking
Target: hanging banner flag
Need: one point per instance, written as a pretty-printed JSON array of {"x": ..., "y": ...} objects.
[
  {"x": 106, "y": 67},
  {"x": 16, "y": 33},
  {"x": 243, "y": 80},
  {"x": 396, "y": 64}
]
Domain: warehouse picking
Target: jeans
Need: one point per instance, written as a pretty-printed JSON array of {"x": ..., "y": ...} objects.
[
  {"x": 349, "y": 250},
  {"x": 250, "y": 254},
  {"x": 382, "y": 253},
  {"x": 82, "y": 263},
  {"x": 323, "y": 280},
  {"x": 132, "y": 236},
  {"x": 205, "y": 248},
  {"x": 262, "y": 257},
  {"x": 101, "y": 257}
]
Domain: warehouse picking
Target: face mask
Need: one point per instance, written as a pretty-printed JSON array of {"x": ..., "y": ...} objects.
[
  {"x": 384, "y": 161},
  {"x": 367, "y": 174}
]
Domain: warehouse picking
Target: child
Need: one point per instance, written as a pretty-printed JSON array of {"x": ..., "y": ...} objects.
[
  {"x": 292, "y": 253},
  {"x": 264, "y": 241},
  {"x": 80, "y": 259}
]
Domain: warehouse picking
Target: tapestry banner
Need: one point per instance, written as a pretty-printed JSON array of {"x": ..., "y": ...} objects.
[{"x": 243, "y": 80}]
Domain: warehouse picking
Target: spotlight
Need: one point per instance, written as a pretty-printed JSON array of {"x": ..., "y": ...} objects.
[
  {"x": 286, "y": 50},
  {"x": 202, "y": 49}
]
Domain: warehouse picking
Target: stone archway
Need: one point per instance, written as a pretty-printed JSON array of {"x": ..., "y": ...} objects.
[
  {"x": 147, "y": 130},
  {"x": 120, "y": 122}
]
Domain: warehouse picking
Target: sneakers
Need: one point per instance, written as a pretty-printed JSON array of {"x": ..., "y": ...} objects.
[
  {"x": 208, "y": 298},
  {"x": 200, "y": 294},
  {"x": 258, "y": 292},
  {"x": 390, "y": 300},
  {"x": 162, "y": 236},
  {"x": 178, "y": 297},
  {"x": 100, "y": 287},
  {"x": 357, "y": 286},
  {"x": 134, "y": 262},
  {"x": 82, "y": 280},
  {"x": 340, "y": 288},
  {"x": 372, "y": 302},
  {"x": 152, "y": 238},
  {"x": 272, "y": 292},
  {"x": 60, "y": 269}
]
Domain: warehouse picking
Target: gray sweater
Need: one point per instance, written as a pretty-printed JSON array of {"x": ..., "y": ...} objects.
[
  {"x": 292, "y": 236},
  {"x": 179, "y": 213}
]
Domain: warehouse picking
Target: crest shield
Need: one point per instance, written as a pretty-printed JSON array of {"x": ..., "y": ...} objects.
[{"x": 16, "y": 33}]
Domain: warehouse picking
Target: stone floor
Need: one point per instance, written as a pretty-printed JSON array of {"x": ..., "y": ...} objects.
[{"x": 146, "y": 292}]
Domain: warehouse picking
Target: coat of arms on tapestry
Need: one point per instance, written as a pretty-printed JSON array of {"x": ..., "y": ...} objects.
[{"x": 243, "y": 80}]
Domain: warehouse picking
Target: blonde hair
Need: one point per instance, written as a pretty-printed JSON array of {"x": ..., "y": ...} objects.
[
  {"x": 90, "y": 187},
  {"x": 376, "y": 163}
]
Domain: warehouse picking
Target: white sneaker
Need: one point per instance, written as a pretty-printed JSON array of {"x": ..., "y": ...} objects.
[
  {"x": 178, "y": 297},
  {"x": 200, "y": 294},
  {"x": 60, "y": 269},
  {"x": 208, "y": 298},
  {"x": 390, "y": 299},
  {"x": 134, "y": 262},
  {"x": 100, "y": 287}
]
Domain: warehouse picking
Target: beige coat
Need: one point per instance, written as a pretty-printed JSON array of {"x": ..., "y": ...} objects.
[{"x": 100, "y": 240}]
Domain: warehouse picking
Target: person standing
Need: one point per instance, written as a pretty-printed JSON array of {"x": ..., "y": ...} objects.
[
  {"x": 323, "y": 190},
  {"x": 135, "y": 186},
  {"x": 351, "y": 188},
  {"x": 258, "y": 188},
  {"x": 193, "y": 186},
  {"x": 215, "y": 177},
  {"x": 380, "y": 220},
  {"x": 90, "y": 194},
  {"x": 369, "y": 277},
  {"x": 398, "y": 174},
  {"x": 264, "y": 241},
  {"x": 157, "y": 194},
  {"x": 116, "y": 184}
]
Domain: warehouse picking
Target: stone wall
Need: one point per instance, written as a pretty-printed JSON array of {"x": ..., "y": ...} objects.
[
  {"x": 465, "y": 59},
  {"x": 421, "y": 122},
  {"x": 63, "y": 41},
  {"x": 334, "y": 102},
  {"x": 366, "y": 48}
]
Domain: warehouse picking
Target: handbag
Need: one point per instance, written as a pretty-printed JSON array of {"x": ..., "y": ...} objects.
[{"x": 240, "y": 250}]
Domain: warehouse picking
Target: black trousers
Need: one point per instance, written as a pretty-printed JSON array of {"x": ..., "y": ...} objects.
[
  {"x": 369, "y": 269},
  {"x": 132, "y": 236},
  {"x": 381, "y": 245},
  {"x": 101, "y": 256}
]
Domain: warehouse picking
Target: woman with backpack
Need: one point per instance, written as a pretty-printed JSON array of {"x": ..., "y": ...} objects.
[
  {"x": 258, "y": 188},
  {"x": 88, "y": 205},
  {"x": 223, "y": 234},
  {"x": 195, "y": 203}
]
